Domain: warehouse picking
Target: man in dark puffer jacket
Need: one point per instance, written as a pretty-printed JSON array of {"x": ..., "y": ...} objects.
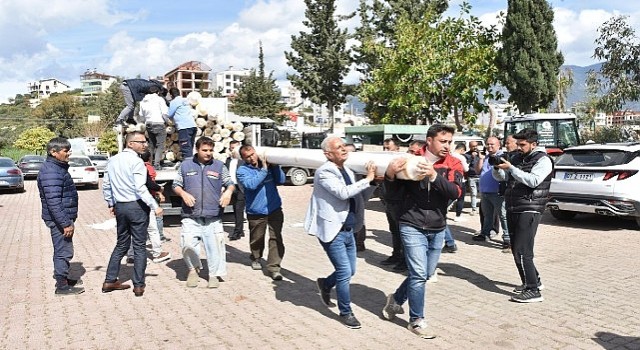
[{"x": 59, "y": 211}]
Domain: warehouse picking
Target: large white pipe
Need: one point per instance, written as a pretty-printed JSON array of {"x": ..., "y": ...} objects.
[{"x": 314, "y": 158}]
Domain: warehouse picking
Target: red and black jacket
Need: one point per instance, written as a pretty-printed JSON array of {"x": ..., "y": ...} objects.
[{"x": 424, "y": 204}]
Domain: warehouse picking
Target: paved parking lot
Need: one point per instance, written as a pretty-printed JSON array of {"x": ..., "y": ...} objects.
[{"x": 590, "y": 268}]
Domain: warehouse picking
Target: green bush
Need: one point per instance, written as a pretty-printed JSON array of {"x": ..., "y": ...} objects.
[{"x": 16, "y": 153}]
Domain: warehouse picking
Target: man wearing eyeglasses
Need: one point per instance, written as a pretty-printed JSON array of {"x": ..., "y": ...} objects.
[{"x": 125, "y": 191}]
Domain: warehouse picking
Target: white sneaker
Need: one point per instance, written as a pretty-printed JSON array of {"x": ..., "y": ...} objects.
[
  {"x": 164, "y": 256},
  {"x": 391, "y": 308},
  {"x": 419, "y": 327},
  {"x": 433, "y": 278}
]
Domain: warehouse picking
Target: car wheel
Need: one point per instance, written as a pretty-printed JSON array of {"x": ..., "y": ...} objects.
[
  {"x": 298, "y": 177},
  {"x": 638, "y": 221},
  {"x": 563, "y": 214}
]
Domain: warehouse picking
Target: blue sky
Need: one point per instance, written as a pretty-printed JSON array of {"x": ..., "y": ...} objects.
[{"x": 62, "y": 38}]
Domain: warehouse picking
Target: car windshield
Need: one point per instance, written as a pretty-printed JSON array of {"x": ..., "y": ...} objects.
[
  {"x": 98, "y": 158},
  {"x": 6, "y": 163},
  {"x": 595, "y": 158},
  {"x": 79, "y": 162}
]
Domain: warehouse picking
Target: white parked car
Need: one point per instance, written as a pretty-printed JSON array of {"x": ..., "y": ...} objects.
[
  {"x": 597, "y": 178},
  {"x": 83, "y": 172}
]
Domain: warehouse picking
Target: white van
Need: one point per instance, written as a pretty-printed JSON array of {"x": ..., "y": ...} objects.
[{"x": 465, "y": 139}]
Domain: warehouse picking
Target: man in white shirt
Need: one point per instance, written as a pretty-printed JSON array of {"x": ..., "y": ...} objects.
[
  {"x": 154, "y": 110},
  {"x": 237, "y": 199}
]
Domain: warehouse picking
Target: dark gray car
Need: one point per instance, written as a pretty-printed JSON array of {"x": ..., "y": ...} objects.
[{"x": 30, "y": 165}]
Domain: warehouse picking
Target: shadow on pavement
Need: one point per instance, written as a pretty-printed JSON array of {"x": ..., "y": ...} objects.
[
  {"x": 610, "y": 340},
  {"x": 474, "y": 278},
  {"x": 591, "y": 222},
  {"x": 76, "y": 270}
]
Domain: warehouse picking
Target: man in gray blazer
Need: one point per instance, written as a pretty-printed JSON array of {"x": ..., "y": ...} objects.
[{"x": 336, "y": 210}]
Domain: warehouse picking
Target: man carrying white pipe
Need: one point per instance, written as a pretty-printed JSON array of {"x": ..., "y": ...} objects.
[{"x": 422, "y": 221}]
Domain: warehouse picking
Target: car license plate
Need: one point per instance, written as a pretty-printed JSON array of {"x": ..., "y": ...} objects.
[
  {"x": 578, "y": 176},
  {"x": 4, "y": 183}
]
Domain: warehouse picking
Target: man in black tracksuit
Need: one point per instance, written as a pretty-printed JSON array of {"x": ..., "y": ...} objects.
[{"x": 528, "y": 176}]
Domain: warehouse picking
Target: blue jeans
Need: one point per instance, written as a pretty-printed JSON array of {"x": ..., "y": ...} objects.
[
  {"x": 132, "y": 219},
  {"x": 473, "y": 187},
  {"x": 186, "y": 139},
  {"x": 492, "y": 206},
  {"x": 62, "y": 253},
  {"x": 448, "y": 237},
  {"x": 342, "y": 254},
  {"x": 421, "y": 250}
]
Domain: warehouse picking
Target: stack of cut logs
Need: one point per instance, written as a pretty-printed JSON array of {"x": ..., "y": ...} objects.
[{"x": 208, "y": 124}]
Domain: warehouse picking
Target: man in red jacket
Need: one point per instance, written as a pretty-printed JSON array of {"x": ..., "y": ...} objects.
[{"x": 422, "y": 221}]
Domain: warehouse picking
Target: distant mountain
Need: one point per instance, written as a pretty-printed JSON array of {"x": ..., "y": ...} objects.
[{"x": 578, "y": 91}]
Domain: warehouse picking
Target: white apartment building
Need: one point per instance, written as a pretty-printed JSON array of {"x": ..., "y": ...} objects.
[
  {"x": 44, "y": 88},
  {"x": 93, "y": 83},
  {"x": 229, "y": 81}
]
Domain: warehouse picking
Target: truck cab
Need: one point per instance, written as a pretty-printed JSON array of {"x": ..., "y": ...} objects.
[{"x": 556, "y": 131}]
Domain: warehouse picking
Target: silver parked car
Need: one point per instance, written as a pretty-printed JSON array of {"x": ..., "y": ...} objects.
[
  {"x": 100, "y": 161},
  {"x": 11, "y": 176}
]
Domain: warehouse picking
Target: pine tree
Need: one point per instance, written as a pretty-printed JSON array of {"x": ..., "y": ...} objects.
[
  {"x": 258, "y": 95},
  {"x": 529, "y": 59},
  {"x": 320, "y": 57}
]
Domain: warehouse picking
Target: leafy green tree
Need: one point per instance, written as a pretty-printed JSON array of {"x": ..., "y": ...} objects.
[
  {"x": 320, "y": 57},
  {"x": 437, "y": 66},
  {"x": 619, "y": 77},
  {"x": 565, "y": 82},
  {"x": 61, "y": 114},
  {"x": 217, "y": 92},
  {"x": 108, "y": 142},
  {"x": 258, "y": 95},
  {"x": 35, "y": 139},
  {"x": 529, "y": 59},
  {"x": 378, "y": 22},
  {"x": 110, "y": 103}
]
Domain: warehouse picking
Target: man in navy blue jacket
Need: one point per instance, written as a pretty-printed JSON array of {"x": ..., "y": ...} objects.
[
  {"x": 59, "y": 211},
  {"x": 264, "y": 208}
]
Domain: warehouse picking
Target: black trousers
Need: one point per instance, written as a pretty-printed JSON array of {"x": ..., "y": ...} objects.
[
  {"x": 391, "y": 209},
  {"x": 522, "y": 229},
  {"x": 132, "y": 219},
  {"x": 238, "y": 202}
]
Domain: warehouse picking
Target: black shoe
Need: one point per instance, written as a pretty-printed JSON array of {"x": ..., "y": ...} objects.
[
  {"x": 69, "y": 290},
  {"x": 392, "y": 260},
  {"x": 73, "y": 283},
  {"x": 528, "y": 296},
  {"x": 450, "y": 248},
  {"x": 234, "y": 237},
  {"x": 400, "y": 267},
  {"x": 480, "y": 238},
  {"x": 325, "y": 294},
  {"x": 351, "y": 321}
]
